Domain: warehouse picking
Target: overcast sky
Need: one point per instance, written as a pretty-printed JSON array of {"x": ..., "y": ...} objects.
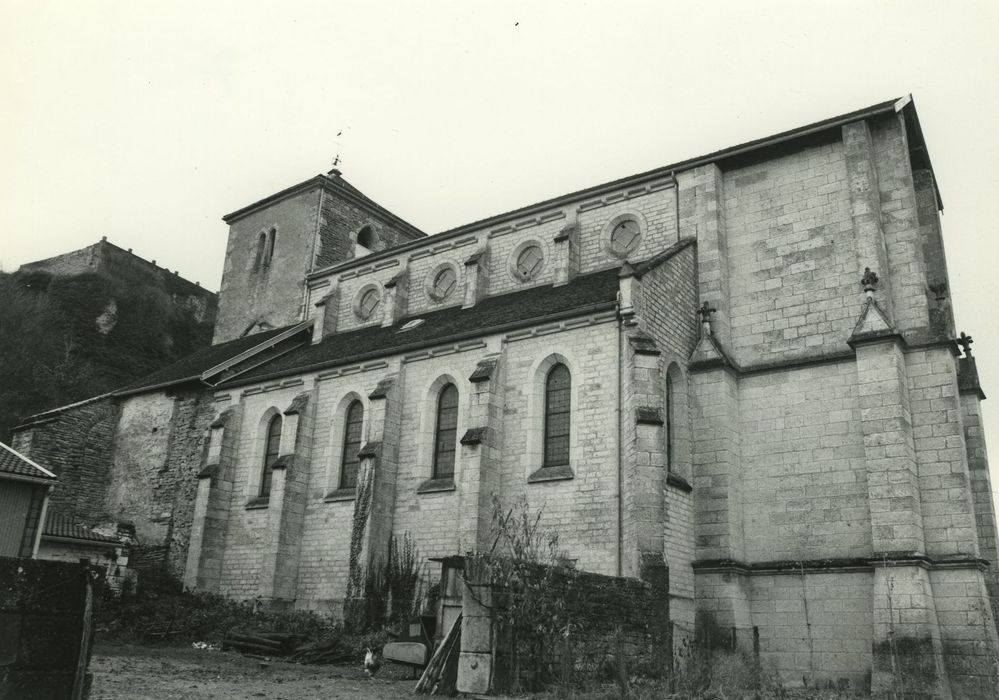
[{"x": 146, "y": 122}]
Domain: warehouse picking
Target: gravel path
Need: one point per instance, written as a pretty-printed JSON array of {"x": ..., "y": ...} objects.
[{"x": 142, "y": 672}]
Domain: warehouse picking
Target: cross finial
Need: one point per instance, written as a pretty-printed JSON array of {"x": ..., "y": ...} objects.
[
  {"x": 965, "y": 341},
  {"x": 704, "y": 313}
]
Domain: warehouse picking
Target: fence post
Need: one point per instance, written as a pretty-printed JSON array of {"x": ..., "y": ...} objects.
[{"x": 86, "y": 633}]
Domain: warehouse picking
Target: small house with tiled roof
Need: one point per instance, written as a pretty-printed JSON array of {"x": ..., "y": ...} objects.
[
  {"x": 65, "y": 538},
  {"x": 741, "y": 366},
  {"x": 24, "y": 491}
]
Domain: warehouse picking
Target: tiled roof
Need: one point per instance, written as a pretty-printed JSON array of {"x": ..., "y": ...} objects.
[
  {"x": 191, "y": 367},
  {"x": 587, "y": 292},
  {"x": 59, "y": 525},
  {"x": 13, "y": 462}
]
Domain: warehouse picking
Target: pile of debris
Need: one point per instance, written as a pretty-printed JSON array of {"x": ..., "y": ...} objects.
[{"x": 289, "y": 646}]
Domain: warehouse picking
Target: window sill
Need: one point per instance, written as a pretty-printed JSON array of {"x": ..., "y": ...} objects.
[
  {"x": 556, "y": 473},
  {"x": 436, "y": 486},
  {"x": 258, "y": 502},
  {"x": 340, "y": 495}
]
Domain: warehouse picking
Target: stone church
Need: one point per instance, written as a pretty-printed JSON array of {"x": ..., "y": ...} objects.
[{"x": 745, "y": 363}]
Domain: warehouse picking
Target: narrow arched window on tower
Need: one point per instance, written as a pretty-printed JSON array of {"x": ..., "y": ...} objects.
[
  {"x": 261, "y": 247},
  {"x": 668, "y": 420},
  {"x": 272, "y": 446},
  {"x": 557, "y": 401},
  {"x": 271, "y": 242},
  {"x": 446, "y": 432},
  {"x": 349, "y": 460}
]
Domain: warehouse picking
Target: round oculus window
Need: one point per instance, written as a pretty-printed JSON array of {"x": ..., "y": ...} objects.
[
  {"x": 529, "y": 261},
  {"x": 625, "y": 236},
  {"x": 444, "y": 283},
  {"x": 368, "y": 303}
]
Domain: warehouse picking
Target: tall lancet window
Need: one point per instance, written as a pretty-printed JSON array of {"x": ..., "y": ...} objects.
[
  {"x": 446, "y": 432},
  {"x": 557, "y": 395},
  {"x": 272, "y": 447},
  {"x": 349, "y": 460}
]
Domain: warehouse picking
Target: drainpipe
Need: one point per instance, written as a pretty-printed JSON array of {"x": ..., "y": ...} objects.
[
  {"x": 620, "y": 437},
  {"x": 41, "y": 522}
]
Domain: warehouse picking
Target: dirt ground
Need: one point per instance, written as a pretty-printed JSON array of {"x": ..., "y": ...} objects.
[{"x": 157, "y": 672}]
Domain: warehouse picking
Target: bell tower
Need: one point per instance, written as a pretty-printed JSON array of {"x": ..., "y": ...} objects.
[{"x": 276, "y": 242}]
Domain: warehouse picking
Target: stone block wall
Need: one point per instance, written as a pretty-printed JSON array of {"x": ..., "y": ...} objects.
[
  {"x": 248, "y": 532},
  {"x": 582, "y": 509},
  {"x": 805, "y": 492},
  {"x": 272, "y": 293},
  {"x": 77, "y": 445},
  {"x": 133, "y": 459},
  {"x": 174, "y": 488},
  {"x": 138, "y": 464},
  {"x": 791, "y": 257},
  {"x": 814, "y": 625},
  {"x": 652, "y": 204},
  {"x": 339, "y": 223}
]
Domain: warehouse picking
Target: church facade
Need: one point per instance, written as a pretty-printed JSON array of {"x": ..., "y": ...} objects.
[{"x": 744, "y": 365}]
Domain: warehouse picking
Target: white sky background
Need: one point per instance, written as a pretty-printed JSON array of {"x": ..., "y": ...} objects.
[{"x": 146, "y": 122}]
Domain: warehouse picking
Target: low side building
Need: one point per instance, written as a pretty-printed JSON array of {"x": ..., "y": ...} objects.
[{"x": 24, "y": 492}]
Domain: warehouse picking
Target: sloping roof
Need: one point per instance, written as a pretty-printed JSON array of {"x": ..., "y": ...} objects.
[
  {"x": 591, "y": 292},
  {"x": 59, "y": 525},
  {"x": 904, "y": 105},
  {"x": 191, "y": 367},
  {"x": 333, "y": 181},
  {"x": 13, "y": 462}
]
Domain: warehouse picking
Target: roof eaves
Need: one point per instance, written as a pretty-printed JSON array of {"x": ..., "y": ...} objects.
[
  {"x": 265, "y": 345},
  {"x": 348, "y": 190},
  {"x": 314, "y": 181},
  {"x": 154, "y": 387},
  {"x": 345, "y": 190},
  {"x": 34, "y": 464},
  {"x": 53, "y": 412},
  {"x": 906, "y": 106},
  {"x": 631, "y": 180},
  {"x": 109, "y": 544},
  {"x": 426, "y": 343},
  {"x": 40, "y": 480},
  {"x": 658, "y": 259}
]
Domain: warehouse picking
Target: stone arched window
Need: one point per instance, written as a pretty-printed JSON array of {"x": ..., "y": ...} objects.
[
  {"x": 676, "y": 437},
  {"x": 446, "y": 432},
  {"x": 349, "y": 461},
  {"x": 272, "y": 450},
  {"x": 558, "y": 395},
  {"x": 271, "y": 243},
  {"x": 261, "y": 250},
  {"x": 550, "y": 437}
]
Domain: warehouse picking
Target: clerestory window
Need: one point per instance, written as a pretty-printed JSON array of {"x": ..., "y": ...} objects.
[
  {"x": 557, "y": 416},
  {"x": 272, "y": 447},
  {"x": 446, "y": 432},
  {"x": 349, "y": 460}
]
